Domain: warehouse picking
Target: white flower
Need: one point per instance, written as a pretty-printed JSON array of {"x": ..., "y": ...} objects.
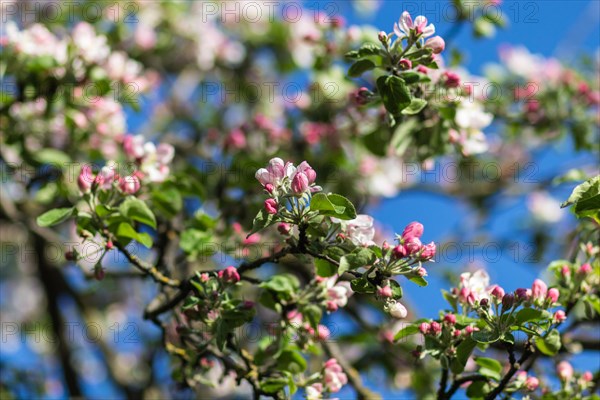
[
  {"x": 405, "y": 25},
  {"x": 396, "y": 309},
  {"x": 90, "y": 47},
  {"x": 477, "y": 283},
  {"x": 471, "y": 115},
  {"x": 471, "y": 118},
  {"x": 544, "y": 207},
  {"x": 276, "y": 172},
  {"x": 359, "y": 230}
]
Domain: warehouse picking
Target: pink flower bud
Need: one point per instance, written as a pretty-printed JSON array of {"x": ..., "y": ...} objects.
[
  {"x": 452, "y": 79},
  {"x": 307, "y": 170},
  {"x": 109, "y": 245},
  {"x": 85, "y": 179},
  {"x": 204, "y": 277},
  {"x": 229, "y": 275},
  {"x": 450, "y": 319},
  {"x": 271, "y": 206},
  {"x": 484, "y": 303},
  {"x": 508, "y": 300},
  {"x": 436, "y": 43},
  {"x": 385, "y": 246},
  {"x": 405, "y": 64},
  {"x": 413, "y": 246},
  {"x": 421, "y": 272},
  {"x": 236, "y": 139},
  {"x": 470, "y": 329},
  {"x": 412, "y": 230},
  {"x": 587, "y": 376},
  {"x": 428, "y": 251},
  {"x": 564, "y": 370},
  {"x": 382, "y": 36},
  {"x": 130, "y": 184},
  {"x": 553, "y": 295},
  {"x": 585, "y": 269},
  {"x": 457, "y": 333},
  {"x": 565, "y": 271},
  {"x": 399, "y": 251},
  {"x": 532, "y": 383},
  {"x": 424, "y": 328},
  {"x": 323, "y": 332},
  {"x": 497, "y": 292},
  {"x": 331, "y": 306},
  {"x": 422, "y": 69},
  {"x": 385, "y": 291},
  {"x": 539, "y": 290},
  {"x": 522, "y": 294},
  {"x": 436, "y": 328},
  {"x": 559, "y": 316},
  {"x": 284, "y": 228},
  {"x": 299, "y": 183}
]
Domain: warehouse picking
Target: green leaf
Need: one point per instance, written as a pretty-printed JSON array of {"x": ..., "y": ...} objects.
[
  {"x": 402, "y": 138},
  {"x": 550, "y": 344},
  {"x": 51, "y": 156},
  {"x": 586, "y": 198},
  {"x": 531, "y": 315},
  {"x": 262, "y": 220},
  {"x": 396, "y": 289},
  {"x": 333, "y": 205},
  {"x": 406, "y": 332},
  {"x": 419, "y": 280},
  {"x": 292, "y": 361},
  {"x": 415, "y": 106},
  {"x": 362, "y": 285},
  {"x": 284, "y": 285},
  {"x": 463, "y": 352},
  {"x": 313, "y": 313},
  {"x": 361, "y": 257},
  {"x": 195, "y": 241},
  {"x": 273, "y": 385},
  {"x": 55, "y": 216},
  {"x": 394, "y": 93},
  {"x": 360, "y": 67},
  {"x": 368, "y": 49},
  {"x": 485, "y": 336},
  {"x": 489, "y": 367},
  {"x": 137, "y": 210},
  {"x": 325, "y": 269},
  {"x": 126, "y": 231},
  {"x": 478, "y": 389}
]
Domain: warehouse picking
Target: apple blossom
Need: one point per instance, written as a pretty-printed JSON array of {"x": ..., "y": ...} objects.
[
  {"x": 553, "y": 295},
  {"x": 275, "y": 172},
  {"x": 424, "y": 328},
  {"x": 559, "y": 316},
  {"x": 385, "y": 291},
  {"x": 229, "y": 275},
  {"x": 585, "y": 269},
  {"x": 450, "y": 319},
  {"x": 359, "y": 230},
  {"x": 271, "y": 206},
  {"x": 129, "y": 184},
  {"x": 539, "y": 289},
  {"x": 396, "y": 309},
  {"x": 405, "y": 26},
  {"x": 532, "y": 383},
  {"x": 436, "y": 44},
  {"x": 85, "y": 179},
  {"x": 412, "y": 230},
  {"x": 564, "y": 371},
  {"x": 334, "y": 376}
]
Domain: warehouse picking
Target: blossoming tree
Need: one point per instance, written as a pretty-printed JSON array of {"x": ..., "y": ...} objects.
[{"x": 234, "y": 206}]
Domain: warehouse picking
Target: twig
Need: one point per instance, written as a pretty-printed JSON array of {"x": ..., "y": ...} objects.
[
  {"x": 147, "y": 268},
  {"x": 441, "y": 394}
]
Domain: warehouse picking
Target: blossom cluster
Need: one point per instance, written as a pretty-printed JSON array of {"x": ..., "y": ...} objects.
[
  {"x": 81, "y": 53},
  {"x": 281, "y": 179}
]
